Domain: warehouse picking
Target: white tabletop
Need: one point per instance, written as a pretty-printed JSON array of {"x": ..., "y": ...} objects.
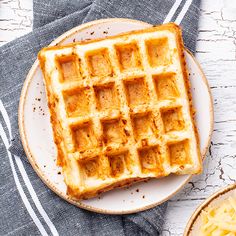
[{"x": 216, "y": 52}]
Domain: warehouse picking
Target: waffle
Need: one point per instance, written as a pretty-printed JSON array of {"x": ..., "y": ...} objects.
[{"x": 121, "y": 109}]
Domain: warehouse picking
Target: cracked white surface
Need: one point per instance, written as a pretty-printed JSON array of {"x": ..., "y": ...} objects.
[{"x": 216, "y": 52}]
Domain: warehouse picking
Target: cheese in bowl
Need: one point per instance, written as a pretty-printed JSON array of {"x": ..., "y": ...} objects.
[
  {"x": 220, "y": 219},
  {"x": 216, "y": 216}
]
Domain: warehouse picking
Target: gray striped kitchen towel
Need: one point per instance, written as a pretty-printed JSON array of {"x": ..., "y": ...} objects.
[{"x": 27, "y": 206}]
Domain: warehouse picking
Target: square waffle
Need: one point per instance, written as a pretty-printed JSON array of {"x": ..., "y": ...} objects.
[{"x": 121, "y": 109}]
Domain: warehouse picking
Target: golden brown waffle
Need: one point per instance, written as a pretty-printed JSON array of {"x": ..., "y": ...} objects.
[{"x": 121, "y": 109}]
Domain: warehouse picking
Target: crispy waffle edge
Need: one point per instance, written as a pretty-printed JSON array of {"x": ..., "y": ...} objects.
[{"x": 180, "y": 45}]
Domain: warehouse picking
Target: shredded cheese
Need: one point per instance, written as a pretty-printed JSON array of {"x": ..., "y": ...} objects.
[{"x": 220, "y": 220}]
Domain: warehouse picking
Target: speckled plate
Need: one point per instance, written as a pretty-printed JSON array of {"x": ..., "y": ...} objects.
[
  {"x": 36, "y": 133},
  {"x": 194, "y": 224}
]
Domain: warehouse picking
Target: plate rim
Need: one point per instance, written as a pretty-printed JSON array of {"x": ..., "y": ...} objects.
[
  {"x": 26, "y": 147},
  {"x": 205, "y": 204}
]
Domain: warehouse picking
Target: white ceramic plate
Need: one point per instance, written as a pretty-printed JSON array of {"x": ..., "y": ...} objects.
[
  {"x": 194, "y": 224},
  {"x": 38, "y": 143}
]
